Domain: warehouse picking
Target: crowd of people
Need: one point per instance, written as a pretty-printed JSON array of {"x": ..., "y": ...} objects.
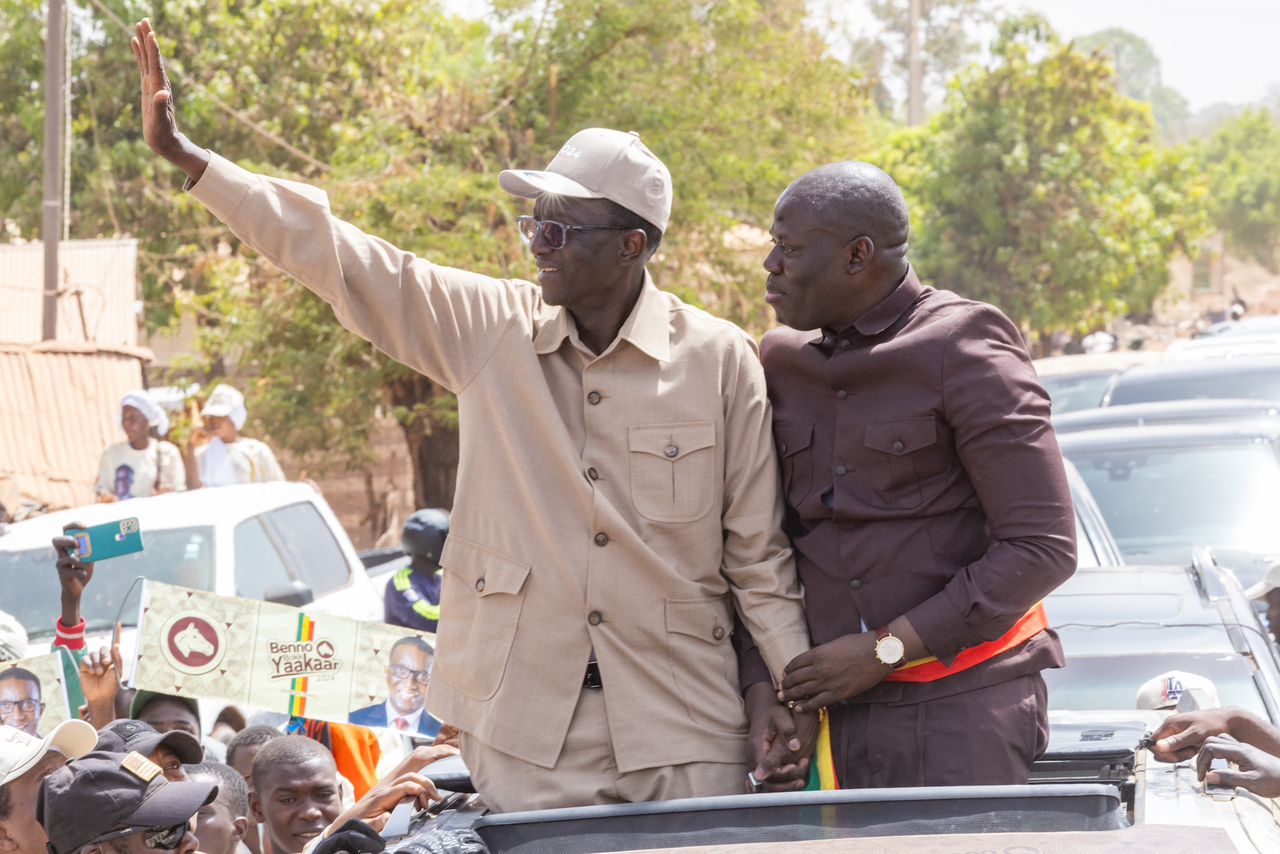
[{"x": 216, "y": 454}]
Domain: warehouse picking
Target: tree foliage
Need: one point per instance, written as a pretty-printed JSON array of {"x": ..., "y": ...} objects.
[
  {"x": 1243, "y": 162},
  {"x": 1038, "y": 188},
  {"x": 405, "y": 115},
  {"x": 1138, "y": 76}
]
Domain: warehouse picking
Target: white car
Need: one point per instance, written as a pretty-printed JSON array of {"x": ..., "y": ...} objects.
[{"x": 274, "y": 541}]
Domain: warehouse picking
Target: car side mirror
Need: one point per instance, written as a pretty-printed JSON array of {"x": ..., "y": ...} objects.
[{"x": 295, "y": 593}]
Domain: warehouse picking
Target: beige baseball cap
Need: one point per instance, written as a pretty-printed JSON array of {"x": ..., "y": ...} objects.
[
  {"x": 598, "y": 163},
  {"x": 19, "y": 752}
]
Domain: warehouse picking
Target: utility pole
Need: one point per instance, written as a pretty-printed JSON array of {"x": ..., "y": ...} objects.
[
  {"x": 54, "y": 105},
  {"x": 915, "y": 67}
]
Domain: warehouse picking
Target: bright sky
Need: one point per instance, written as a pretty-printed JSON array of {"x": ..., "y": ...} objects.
[{"x": 1210, "y": 50}]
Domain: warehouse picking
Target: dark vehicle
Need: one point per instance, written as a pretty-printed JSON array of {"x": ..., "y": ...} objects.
[
  {"x": 1165, "y": 412},
  {"x": 1252, "y": 377},
  {"x": 1166, "y": 488}
]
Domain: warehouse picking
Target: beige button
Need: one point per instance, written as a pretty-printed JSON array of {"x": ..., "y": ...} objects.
[
  {"x": 593, "y": 474},
  {"x": 593, "y": 398},
  {"x": 602, "y": 539},
  {"x": 671, "y": 451},
  {"x": 479, "y": 585},
  {"x": 718, "y": 633},
  {"x": 594, "y": 618}
]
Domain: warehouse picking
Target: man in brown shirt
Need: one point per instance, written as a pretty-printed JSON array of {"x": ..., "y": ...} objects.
[
  {"x": 617, "y": 496},
  {"x": 926, "y": 497}
]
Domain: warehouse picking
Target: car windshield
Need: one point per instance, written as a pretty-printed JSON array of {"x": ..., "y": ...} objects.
[
  {"x": 1179, "y": 386},
  {"x": 1072, "y": 392},
  {"x": 1097, "y": 682},
  {"x": 29, "y": 579},
  {"x": 1159, "y": 502}
]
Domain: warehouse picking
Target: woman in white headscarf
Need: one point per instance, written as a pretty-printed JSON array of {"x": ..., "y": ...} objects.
[
  {"x": 143, "y": 464},
  {"x": 230, "y": 458}
]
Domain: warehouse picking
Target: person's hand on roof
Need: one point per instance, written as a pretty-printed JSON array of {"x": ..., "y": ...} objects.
[
  {"x": 1180, "y": 736},
  {"x": 781, "y": 742},
  {"x": 1253, "y": 769}
]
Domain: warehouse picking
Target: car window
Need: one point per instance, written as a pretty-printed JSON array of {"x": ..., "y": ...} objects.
[
  {"x": 1257, "y": 384},
  {"x": 1073, "y": 392},
  {"x": 309, "y": 546},
  {"x": 259, "y": 566},
  {"x": 1086, "y": 556},
  {"x": 29, "y": 580},
  {"x": 1158, "y": 502},
  {"x": 1098, "y": 682}
]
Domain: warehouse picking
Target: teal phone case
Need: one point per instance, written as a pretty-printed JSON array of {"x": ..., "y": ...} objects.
[{"x": 102, "y": 542}]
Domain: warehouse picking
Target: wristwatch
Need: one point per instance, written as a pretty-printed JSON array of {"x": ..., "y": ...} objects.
[{"x": 889, "y": 650}]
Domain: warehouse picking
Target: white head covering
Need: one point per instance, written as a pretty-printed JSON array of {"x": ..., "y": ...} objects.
[
  {"x": 146, "y": 404},
  {"x": 13, "y": 638},
  {"x": 226, "y": 401}
]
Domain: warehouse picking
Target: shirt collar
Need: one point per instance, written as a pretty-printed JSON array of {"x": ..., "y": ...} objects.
[
  {"x": 647, "y": 328},
  {"x": 412, "y": 719},
  {"x": 885, "y": 313}
]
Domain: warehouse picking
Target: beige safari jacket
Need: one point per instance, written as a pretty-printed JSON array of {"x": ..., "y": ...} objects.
[{"x": 626, "y": 502}]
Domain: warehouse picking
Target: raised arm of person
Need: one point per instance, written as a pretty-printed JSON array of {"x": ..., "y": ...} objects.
[{"x": 442, "y": 322}]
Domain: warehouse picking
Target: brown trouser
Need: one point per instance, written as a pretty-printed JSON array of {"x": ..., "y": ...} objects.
[
  {"x": 985, "y": 737},
  {"x": 586, "y": 772}
]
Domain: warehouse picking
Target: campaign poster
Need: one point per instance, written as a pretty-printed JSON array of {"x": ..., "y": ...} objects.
[
  {"x": 282, "y": 659},
  {"x": 33, "y": 695}
]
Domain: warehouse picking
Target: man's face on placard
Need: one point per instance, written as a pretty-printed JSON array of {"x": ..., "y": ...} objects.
[
  {"x": 407, "y": 678},
  {"x": 20, "y": 705}
]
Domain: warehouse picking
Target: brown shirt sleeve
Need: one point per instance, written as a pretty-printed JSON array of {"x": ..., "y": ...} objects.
[{"x": 1000, "y": 416}]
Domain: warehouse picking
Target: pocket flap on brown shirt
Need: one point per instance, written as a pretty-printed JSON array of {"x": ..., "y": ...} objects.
[
  {"x": 486, "y": 571},
  {"x": 672, "y": 441},
  {"x": 704, "y": 619},
  {"x": 792, "y": 437},
  {"x": 902, "y": 436}
]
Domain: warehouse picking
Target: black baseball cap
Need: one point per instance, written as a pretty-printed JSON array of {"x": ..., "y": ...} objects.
[
  {"x": 123, "y": 736},
  {"x": 101, "y": 794}
]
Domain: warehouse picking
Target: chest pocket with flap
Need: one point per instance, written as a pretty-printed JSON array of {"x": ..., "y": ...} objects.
[
  {"x": 673, "y": 470},
  {"x": 893, "y": 472}
]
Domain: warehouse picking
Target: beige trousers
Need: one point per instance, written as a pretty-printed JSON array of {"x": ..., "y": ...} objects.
[{"x": 586, "y": 772}]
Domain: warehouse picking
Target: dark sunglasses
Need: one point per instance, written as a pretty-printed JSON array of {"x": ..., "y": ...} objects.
[
  {"x": 555, "y": 233},
  {"x": 156, "y": 839}
]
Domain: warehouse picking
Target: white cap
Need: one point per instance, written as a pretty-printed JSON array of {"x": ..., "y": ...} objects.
[
  {"x": 598, "y": 163},
  {"x": 13, "y": 638},
  {"x": 19, "y": 752},
  {"x": 226, "y": 401},
  {"x": 1166, "y": 690}
]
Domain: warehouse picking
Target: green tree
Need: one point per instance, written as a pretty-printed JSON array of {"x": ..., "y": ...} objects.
[
  {"x": 1243, "y": 162},
  {"x": 1038, "y": 188},
  {"x": 405, "y": 115}
]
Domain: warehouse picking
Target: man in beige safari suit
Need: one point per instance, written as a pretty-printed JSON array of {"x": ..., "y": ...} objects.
[{"x": 617, "y": 492}]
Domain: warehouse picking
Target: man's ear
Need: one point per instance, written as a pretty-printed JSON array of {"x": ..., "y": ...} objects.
[
  {"x": 240, "y": 827},
  {"x": 861, "y": 250},
  {"x": 635, "y": 246},
  {"x": 255, "y": 807}
]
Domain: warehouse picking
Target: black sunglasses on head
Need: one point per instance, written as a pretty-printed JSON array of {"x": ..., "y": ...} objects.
[
  {"x": 155, "y": 838},
  {"x": 555, "y": 233}
]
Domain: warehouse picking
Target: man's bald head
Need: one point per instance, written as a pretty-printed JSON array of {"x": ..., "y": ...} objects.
[{"x": 856, "y": 199}]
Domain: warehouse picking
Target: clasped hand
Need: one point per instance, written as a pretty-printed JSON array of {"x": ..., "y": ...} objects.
[{"x": 833, "y": 672}]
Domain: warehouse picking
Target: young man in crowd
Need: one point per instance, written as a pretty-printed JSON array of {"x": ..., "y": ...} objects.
[
  {"x": 295, "y": 792},
  {"x": 111, "y": 803},
  {"x": 222, "y": 824},
  {"x": 170, "y": 750},
  {"x": 25, "y": 762},
  {"x": 241, "y": 753},
  {"x": 21, "y": 705}
]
